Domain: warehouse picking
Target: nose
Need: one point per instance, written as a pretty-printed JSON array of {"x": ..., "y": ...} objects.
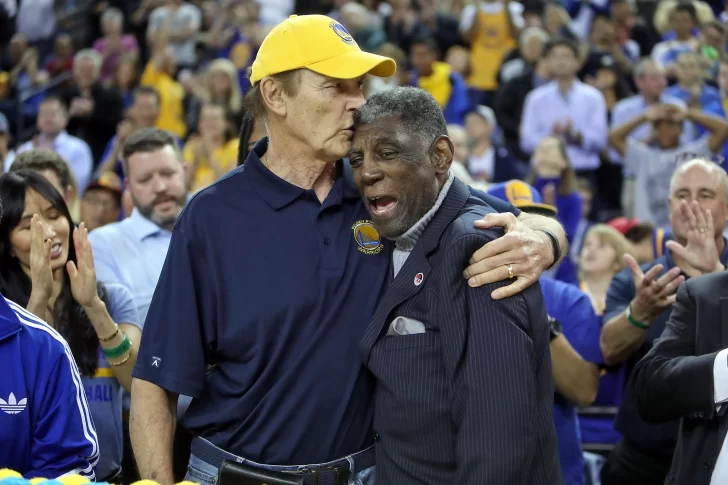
[
  {"x": 370, "y": 173},
  {"x": 160, "y": 185},
  {"x": 48, "y": 231}
]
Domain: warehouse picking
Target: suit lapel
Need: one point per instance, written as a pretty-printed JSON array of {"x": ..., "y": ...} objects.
[{"x": 417, "y": 266}]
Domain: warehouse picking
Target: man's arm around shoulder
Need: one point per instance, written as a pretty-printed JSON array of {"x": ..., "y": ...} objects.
[
  {"x": 671, "y": 381},
  {"x": 489, "y": 350}
]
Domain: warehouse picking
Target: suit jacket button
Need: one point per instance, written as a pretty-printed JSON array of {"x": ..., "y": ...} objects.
[
  {"x": 700, "y": 414},
  {"x": 376, "y": 436},
  {"x": 708, "y": 464}
]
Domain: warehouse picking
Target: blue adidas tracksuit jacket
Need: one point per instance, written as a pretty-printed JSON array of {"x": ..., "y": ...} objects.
[{"x": 45, "y": 424}]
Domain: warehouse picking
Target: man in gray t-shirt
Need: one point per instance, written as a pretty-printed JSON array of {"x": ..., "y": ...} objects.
[{"x": 654, "y": 161}]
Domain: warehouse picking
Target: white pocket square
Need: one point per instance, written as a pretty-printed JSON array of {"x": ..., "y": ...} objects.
[{"x": 405, "y": 326}]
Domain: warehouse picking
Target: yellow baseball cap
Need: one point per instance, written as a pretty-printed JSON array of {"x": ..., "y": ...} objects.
[{"x": 318, "y": 43}]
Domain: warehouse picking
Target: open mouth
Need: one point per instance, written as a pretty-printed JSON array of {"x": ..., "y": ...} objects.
[
  {"x": 56, "y": 250},
  {"x": 381, "y": 205}
]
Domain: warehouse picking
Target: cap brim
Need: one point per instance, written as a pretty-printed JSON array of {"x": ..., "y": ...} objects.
[
  {"x": 355, "y": 64},
  {"x": 548, "y": 209}
]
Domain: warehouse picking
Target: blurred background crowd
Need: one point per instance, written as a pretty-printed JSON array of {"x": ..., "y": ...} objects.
[{"x": 594, "y": 103}]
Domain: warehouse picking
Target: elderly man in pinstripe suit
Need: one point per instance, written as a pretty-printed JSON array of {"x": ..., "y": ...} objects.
[{"x": 464, "y": 387}]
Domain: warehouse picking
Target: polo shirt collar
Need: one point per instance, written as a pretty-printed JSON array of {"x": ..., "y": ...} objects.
[
  {"x": 143, "y": 227},
  {"x": 278, "y": 193}
]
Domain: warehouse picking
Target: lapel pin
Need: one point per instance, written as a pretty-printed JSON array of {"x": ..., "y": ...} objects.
[{"x": 418, "y": 279}]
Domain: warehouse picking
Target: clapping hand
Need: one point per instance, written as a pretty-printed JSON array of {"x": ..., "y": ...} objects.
[
  {"x": 699, "y": 252},
  {"x": 82, "y": 274},
  {"x": 41, "y": 275},
  {"x": 653, "y": 294}
]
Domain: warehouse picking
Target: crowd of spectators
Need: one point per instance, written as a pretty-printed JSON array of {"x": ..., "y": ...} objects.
[{"x": 597, "y": 104}]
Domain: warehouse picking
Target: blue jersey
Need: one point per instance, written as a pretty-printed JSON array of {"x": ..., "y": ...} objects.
[{"x": 46, "y": 428}]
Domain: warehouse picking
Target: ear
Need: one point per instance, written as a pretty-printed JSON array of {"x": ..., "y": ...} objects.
[
  {"x": 273, "y": 97},
  {"x": 442, "y": 154}
]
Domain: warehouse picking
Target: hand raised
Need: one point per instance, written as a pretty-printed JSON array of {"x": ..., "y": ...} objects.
[
  {"x": 82, "y": 274},
  {"x": 653, "y": 294},
  {"x": 41, "y": 275},
  {"x": 700, "y": 251}
]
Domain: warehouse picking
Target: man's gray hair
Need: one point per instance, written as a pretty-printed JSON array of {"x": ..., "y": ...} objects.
[
  {"x": 416, "y": 109},
  {"x": 712, "y": 168},
  {"x": 643, "y": 65},
  {"x": 90, "y": 54}
]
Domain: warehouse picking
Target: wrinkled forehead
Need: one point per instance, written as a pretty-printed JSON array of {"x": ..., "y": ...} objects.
[{"x": 388, "y": 129}]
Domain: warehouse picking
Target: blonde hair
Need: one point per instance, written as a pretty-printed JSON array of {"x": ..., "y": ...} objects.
[
  {"x": 612, "y": 237},
  {"x": 226, "y": 67}
]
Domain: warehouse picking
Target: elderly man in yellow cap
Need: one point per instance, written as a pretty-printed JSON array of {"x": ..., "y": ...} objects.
[{"x": 272, "y": 277}]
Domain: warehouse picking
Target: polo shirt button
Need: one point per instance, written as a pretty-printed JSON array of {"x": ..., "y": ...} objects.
[{"x": 327, "y": 241}]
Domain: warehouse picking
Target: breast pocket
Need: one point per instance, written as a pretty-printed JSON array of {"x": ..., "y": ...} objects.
[{"x": 400, "y": 342}]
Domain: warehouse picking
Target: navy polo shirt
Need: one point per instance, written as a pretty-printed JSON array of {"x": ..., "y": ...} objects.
[
  {"x": 655, "y": 439},
  {"x": 258, "y": 313}
]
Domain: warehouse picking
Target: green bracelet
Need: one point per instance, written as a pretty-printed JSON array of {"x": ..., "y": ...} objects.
[
  {"x": 634, "y": 321},
  {"x": 119, "y": 350}
]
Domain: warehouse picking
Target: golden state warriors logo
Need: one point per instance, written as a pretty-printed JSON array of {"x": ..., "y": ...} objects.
[
  {"x": 518, "y": 192},
  {"x": 366, "y": 237},
  {"x": 341, "y": 32}
]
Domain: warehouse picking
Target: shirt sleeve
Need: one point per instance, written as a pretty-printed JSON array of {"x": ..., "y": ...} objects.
[
  {"x": 594, "y": 133},
  {"x": 85, "y": 164},
  {"x": 105, "y": 263},
  {"x": 720, "y": 378},
  {"x": 122, "y": 307},
  {"x": 497, "y": 204},
  {"x": 151, "y": 75},
  {"x": 179, "y": 324},
  {"x": 64, "y": 438},
  {"x": 584, "y": 330},
  {"x": 516, "y": 11},
  {"x": 468, "y": 17},
  {"x": 483, "y": 334}
]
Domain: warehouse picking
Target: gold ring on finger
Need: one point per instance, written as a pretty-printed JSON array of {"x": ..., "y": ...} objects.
[{"x": 510, "y": 271}]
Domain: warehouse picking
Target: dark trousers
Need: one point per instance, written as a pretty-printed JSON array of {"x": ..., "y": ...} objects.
[{"x": 629, "y": 465}]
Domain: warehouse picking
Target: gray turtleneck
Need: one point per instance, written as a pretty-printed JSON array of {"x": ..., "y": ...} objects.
[{"x": 405, "y": 243}]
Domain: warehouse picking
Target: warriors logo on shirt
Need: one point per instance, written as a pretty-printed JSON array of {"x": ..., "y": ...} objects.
[{"x": 367, "y": 237}]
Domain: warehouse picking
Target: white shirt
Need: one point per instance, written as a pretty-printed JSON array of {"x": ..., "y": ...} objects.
[
  {"x": 720, "y": 395},
  {"x": 74, "y": 151}
]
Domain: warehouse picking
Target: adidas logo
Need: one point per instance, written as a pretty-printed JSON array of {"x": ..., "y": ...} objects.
[{"x": 12, "y": 406}]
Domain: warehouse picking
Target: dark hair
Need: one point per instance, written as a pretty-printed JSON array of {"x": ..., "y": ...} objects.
[
  {"x": 39, "y": 159},
  {"x": 688, "y": 8},
  {"x": 561, "y": 42},
  {"x": 416, "y": 109},
  {"x": 253, "y": 102},
  {"x": 142, "y": 90},
  {"x": 52, "y": 98},
  {"x": 246, "y": 131},
  {"x": 146, "y": 140},
  {"x": 639, "y": 232},
  {"x": 69, "y": 318},
  {"x": 428, "y": 42}
]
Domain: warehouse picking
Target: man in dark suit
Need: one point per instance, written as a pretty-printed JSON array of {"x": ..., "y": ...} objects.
[
  {"x": 464, "y": 387},
  {"x": 685, "y": 375}
]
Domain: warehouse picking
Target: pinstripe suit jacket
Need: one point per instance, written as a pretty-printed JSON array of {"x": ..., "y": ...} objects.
[{"x": 469, "y": 401}]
